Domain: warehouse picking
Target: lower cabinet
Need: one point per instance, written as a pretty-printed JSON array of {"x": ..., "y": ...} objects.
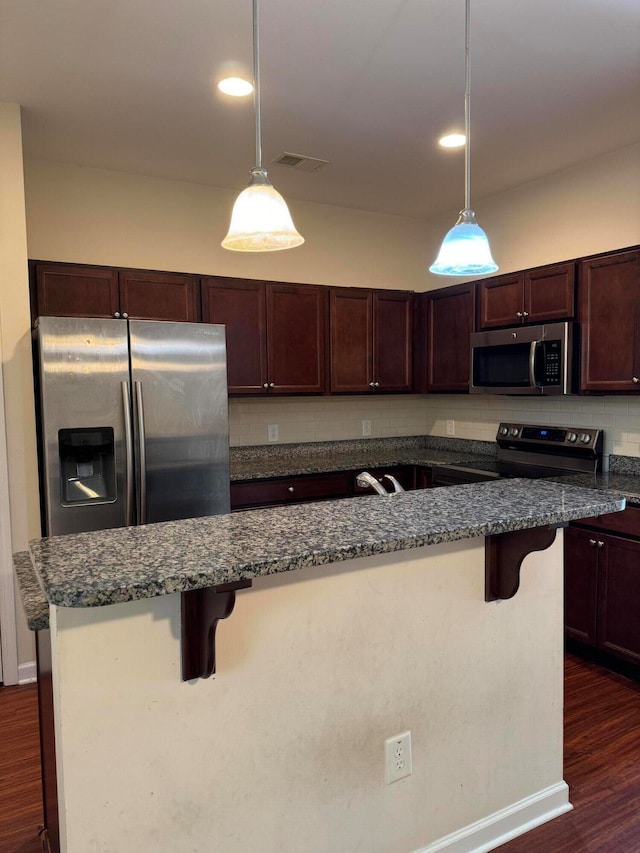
[{"x": 602, "y": 585}]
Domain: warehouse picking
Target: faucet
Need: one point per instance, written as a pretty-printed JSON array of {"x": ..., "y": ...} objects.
[{"x": 366, "y": 479}]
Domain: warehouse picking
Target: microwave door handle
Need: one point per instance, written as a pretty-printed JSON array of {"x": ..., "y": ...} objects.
[
  {"x": 142, "y": 456},
  {"x": 128, "y": 452},
  {"x": 532, "y": 363}
]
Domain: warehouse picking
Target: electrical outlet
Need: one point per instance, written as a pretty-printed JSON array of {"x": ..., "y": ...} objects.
[
  {"x": 397, "y": 757},
  {"x": 366, "y": 428},
  {"x": 272, "y": 432},
  {"x": 451, "y": 427}
]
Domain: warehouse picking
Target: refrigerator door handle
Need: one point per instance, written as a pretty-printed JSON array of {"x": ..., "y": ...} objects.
[
  {"x": 128, "y": 449},
  {"x": 142, "y": 456}
]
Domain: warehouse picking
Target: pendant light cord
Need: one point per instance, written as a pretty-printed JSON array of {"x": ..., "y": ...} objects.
[
  {"x": 467, "y": 109},
  {"x": 256, "y": 86}
]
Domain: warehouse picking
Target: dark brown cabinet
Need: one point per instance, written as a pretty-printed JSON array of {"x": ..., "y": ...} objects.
[
  {"x": 370, "y": 340},
  {"x": 283, "y": 490},
  {"x": 602, "y": 584},
  {"x": 69, "y": 290},
  {"x": 275, "y": 334},
  {"x": 537, "y": 295},
  {"x": 448, "y": 328},
  {"x": 609, "y": 315}
]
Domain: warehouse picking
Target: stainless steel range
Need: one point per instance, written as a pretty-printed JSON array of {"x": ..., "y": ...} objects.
[{"x": 534, "y": 451}]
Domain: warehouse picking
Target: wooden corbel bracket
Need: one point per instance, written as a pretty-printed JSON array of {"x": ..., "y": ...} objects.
[
  {"x": 201, "y": 610},
  {"x": 503, "y": 556}
]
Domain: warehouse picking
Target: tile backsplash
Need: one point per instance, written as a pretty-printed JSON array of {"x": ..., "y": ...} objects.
[{"x": 303, "y": 419}]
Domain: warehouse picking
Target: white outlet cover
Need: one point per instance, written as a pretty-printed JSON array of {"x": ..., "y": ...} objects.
[
  {"x": 398, "y": 762},
  {"x": 272, "y": 432}
]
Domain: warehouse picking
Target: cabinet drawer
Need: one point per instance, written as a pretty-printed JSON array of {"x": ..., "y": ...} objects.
[
  {"x": 289, "y": 490},
  {"x": 626, "y": 522}
]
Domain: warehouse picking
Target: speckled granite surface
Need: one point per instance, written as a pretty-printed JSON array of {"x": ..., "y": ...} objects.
[
  {"x": 36, "y": 606},
  {"x": 626, "y": 485},
  {"x": 624, "y": 465},
  {"x": 105, "y": 567},
  {"x": 287, "y": 460}
]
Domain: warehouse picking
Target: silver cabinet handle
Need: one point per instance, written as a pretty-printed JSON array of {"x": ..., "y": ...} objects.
[
  {"x": 272, "y": 385},
  {"x": 291, "y": 489},
  {"x": 376, "y": 384},
  {"x": 266, "y": 385},
  {"x": 371, "y": 384},
  {"x": 525, "y": 313},
  {"x": 125, "y": 316},
  {"x": 117, "y": 315},
  {"x": 600, "y": 543},
  {"x": 142, "y": 456},
  {"x": 518, "y": 313},
  {"x": 592, "y": 542},
  {"x": 635, "y": 380},
  {"x": 128, "y": 454}
]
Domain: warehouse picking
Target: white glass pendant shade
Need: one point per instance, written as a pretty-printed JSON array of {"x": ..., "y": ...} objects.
[
  {"x": 260, "y": 221},
  {"x": 465, "y": 250}
]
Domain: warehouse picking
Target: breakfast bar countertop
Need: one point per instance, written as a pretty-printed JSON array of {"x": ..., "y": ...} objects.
[{"x": 125, "y": 564}]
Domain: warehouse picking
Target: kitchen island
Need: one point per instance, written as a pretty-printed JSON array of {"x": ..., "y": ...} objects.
[{"x": 367, "y": 617}]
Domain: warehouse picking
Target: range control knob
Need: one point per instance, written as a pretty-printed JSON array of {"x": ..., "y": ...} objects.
[
  {"x": 503, "y": 430},
  {"x": 572, "y": 436},
  {"x": 585, "y": 438},
  {"x": 514, "y": 431}
]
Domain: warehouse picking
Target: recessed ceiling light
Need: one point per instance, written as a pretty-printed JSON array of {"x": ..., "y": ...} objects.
[
  {"x": 452, "y": 140},
  {"x": 236, "y": 87}
]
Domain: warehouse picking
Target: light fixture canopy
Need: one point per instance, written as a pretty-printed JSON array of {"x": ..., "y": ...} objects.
[
  {"x": 465, "y": 248},
  {"x": 260, "y": 220}
]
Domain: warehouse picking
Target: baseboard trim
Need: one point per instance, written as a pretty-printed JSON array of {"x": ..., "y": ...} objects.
[
  {"x": 27, "y": 672},
  {"x": 508, "y": 823}
]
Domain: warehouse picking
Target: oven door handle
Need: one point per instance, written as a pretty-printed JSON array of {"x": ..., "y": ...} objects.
[{"x": 532, "y": 364}]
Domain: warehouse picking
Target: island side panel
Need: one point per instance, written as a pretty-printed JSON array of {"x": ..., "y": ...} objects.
[{"x": 283, "y": 748}]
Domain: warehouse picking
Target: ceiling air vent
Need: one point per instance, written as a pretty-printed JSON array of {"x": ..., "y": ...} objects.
[{"x": 300, "y": 162}]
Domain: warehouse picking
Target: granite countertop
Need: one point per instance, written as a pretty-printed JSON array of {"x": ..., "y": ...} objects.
[
  {"x": 125, "y": 564},
  {"x": 263, "y": 462},
  {"x": 34, "y": 601},
  {"x": 626, "y": 485}
]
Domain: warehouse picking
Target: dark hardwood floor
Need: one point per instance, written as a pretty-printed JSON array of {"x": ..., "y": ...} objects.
[
  {"x": 602, "y": 768},
  {"x": 20, "y": 785}
]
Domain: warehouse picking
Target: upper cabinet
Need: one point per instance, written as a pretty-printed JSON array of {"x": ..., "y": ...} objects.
[
  {"x": 370, "y": 340},
  {"x": 65, "y": 290},
  {"x": 448, "y": 327},
  {"x": 531, "y": 296},
  {"x": 609, "y": 314},
  {"x": 275, "y": 334}
]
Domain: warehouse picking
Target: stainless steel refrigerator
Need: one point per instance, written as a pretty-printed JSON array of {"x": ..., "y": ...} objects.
[{"x": 133, "y": 422}]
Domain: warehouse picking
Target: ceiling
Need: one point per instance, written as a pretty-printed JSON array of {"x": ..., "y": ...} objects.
[{"x": 367, "y": 84}]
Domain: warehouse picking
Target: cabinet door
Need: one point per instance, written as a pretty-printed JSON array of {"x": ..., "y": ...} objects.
[
  {"x": 392, "y": 340},
  {"x": 500, "y": 301},
  {"x": 580, "y": 584},
  {"x": 64, "y": 290},
  {"x": 351, "y": 340},
  {"x": 449, "y": 327},
  {"x": 609, "y": 308},
  {"x": 148, "y": 295},
  {"x": 296, "y": 325},
  {"x": 619, "y": 597},
  {"x": 241, "y": 307},
  {"x": 549, "y": 293}
]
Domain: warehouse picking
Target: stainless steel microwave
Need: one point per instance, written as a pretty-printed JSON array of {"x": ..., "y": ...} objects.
[{"x": 522, "y": 360}]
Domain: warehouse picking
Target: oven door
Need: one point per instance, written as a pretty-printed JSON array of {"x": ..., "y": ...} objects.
[{"x": 523, "y": 360}]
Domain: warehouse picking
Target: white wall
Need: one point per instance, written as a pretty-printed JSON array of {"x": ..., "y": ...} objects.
[
  {"x": 16, "y": 350},
  {"x": 283, "y": 749}
]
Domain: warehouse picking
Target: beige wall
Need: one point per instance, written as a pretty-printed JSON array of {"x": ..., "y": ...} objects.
[
  {"x": 98, "y": 217},
  {"x": 16, "y": 350},
  {"x": 283, "y": 749}
]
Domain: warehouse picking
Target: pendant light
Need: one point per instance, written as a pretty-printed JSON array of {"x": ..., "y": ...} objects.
[
  {"x": 260, "y": 220},
  {"x": 465, "y": 249}
]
